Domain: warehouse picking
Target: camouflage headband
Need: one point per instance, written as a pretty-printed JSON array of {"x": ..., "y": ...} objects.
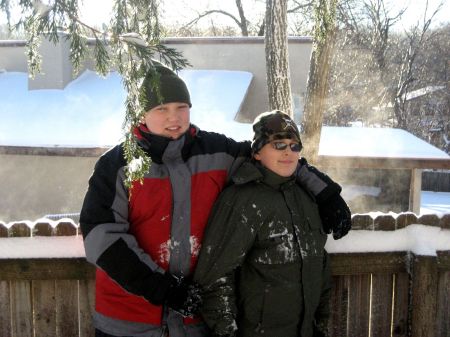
[{"x": 273, "y": 125}]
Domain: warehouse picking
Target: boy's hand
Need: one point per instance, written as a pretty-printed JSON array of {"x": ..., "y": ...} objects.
[
  {"x": 334, "y": 212},
  {"x": 184, "y": 297},
  {"x": 336, "y": 216}
]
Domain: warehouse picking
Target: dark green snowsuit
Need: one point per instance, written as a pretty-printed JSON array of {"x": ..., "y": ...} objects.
[{"x": 262, "y": 264}]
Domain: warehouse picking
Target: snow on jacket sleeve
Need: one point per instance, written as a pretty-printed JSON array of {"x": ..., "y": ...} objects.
[
  {"x": 104, "y": 225},
  {"x": 228, "y": 237}
]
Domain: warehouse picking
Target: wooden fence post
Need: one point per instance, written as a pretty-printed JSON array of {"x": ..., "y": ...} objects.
[
  {"x": 5, "y": 302},
  {"x": 443, "y": 299},
  {"x": 424, "y": 293}
]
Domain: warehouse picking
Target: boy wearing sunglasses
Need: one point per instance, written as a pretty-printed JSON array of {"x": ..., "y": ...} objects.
[{"x": 263, "y": 268}]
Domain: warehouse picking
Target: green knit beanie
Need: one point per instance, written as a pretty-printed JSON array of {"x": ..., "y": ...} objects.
[{"x": 171, "y": 88}]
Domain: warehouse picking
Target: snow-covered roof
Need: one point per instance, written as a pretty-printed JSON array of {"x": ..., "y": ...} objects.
[
  {"x": 423, "y": 91},
  {"x": 89, "y": 113},
  {"x": 376, "y": 143}
]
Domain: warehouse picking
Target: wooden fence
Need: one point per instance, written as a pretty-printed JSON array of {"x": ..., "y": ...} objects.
[
  {"x": 373, "y": 295},
  {"x": 436, "y": 181}
]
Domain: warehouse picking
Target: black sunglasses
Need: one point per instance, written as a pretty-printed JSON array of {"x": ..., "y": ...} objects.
[{"x": 280, "y": 146}]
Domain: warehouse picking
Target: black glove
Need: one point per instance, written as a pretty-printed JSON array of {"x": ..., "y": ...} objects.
[
  {"x": 320, "y": 185},
  {"x": 156, "y": 287},
  {"x": 336, "y": 216},
  {"x": 334, "y": 212},
  {"x": 184, "y": 297},
  {"x": 177, "y": 293}
]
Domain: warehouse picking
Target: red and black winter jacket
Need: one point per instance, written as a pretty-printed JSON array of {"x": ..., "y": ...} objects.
[{"x": 159, "y": 227}]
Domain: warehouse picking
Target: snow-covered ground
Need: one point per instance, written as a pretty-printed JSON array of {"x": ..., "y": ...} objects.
[{"x": 435, "y": 202}]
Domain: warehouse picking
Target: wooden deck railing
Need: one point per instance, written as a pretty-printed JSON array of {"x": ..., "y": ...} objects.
[{"x": 374, "y": 294}]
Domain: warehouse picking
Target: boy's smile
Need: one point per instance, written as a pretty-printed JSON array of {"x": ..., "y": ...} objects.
[
  {"x": 169, "y": 120},
  {"x": 281, "y": 161}
]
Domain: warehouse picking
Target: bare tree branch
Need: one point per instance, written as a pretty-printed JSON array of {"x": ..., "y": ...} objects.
[
  {"x": 216, "y": 11},
  {"x": 299, "y": 5},
  {"x": 416, "y": 39},
  {"x": 243, "y": 21}
]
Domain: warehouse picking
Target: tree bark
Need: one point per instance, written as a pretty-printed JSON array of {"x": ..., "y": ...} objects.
[
  {"x": 243, "y": 26},
  {"x": 318, "y": 79},
  {"x": 277, "y": 56}
]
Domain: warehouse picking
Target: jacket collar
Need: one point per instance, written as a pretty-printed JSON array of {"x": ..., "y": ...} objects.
[
  {"x": 156, "y": 145},
  {"x": 254, "y": 171}
]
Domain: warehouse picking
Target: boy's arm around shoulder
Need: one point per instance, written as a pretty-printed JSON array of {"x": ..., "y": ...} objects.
[
  {"x": 334, "y": 211},
  {"x": 235, "y": 152}
]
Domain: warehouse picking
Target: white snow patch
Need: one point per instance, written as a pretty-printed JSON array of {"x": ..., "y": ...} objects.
[
  {"x": 435, "y": 203},
  {"x": 42, "y": 247},
  {"x": 419, "y": 239}
]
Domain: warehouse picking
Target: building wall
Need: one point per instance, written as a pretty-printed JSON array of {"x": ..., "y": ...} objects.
[
  {"x": 12, "y": 56},
  {"x": 247, "y": 54}
]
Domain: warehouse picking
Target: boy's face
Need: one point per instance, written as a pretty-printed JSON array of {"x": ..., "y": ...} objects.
[
  {"x": 282, "y": 162},
  {"x": 169, "y": 120}
]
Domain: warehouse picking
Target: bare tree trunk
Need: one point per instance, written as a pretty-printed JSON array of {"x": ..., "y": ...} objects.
[
  {"x": 318, "y": 79},
  {"x": 277, "y": 56},
  {"x": 244, "y": 28}
]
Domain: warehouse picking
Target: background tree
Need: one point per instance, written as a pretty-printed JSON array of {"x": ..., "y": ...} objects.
[
  {"x": 365, "y": 27},
  {"x": 250, "y": 20},
  {"x": 318, "y": 78},
  {"x": 277, "y": 57},
  {"x": 373, "y": 73},
  {"x": 240, "y": 19},
  {"x": 415, "y": 40}
]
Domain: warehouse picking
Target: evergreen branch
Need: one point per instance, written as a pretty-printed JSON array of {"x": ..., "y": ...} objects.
[{"x": 130, "y": 46}]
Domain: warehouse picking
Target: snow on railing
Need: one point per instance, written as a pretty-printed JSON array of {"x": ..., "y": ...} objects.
[{"x": 368, "y": 221}]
